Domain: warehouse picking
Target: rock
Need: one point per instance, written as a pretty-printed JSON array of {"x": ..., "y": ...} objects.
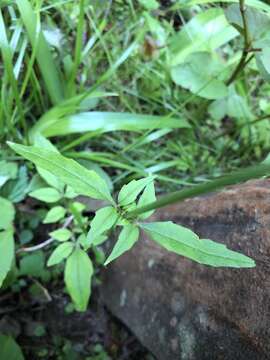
[{"x": 182, "y": 310}]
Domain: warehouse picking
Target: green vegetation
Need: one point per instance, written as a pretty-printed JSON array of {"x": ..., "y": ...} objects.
[{"x": 106, "y": 98}]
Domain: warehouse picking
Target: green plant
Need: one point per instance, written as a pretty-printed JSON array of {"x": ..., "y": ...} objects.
[
  {"x": 128, "y": 213},
  {"x": 155, "y": 89}
]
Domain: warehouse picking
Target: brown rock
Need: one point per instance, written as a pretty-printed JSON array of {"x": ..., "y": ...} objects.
[{"x": 182, "y": 310}]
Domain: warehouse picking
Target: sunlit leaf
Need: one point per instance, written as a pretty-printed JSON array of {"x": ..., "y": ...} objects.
[
  {"x": 130, "y": 191},
  {"x": 60, "y": 253},
  {"x": 184, "y": 242},
  {"x": 86, "y": 182},
  {"x": 204, "y": 32},
  {"x": 200, "y": 73},
  {"x": 104, "y": 220},
  {"x": 48, "y": 195},
  {"x": 127, "y": 238},
  {"x": 54, "y": 215}
]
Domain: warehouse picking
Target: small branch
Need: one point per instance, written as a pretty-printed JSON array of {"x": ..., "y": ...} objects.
[
  {"x": 45, "y": 243},
  {"x": 246, "y": 50}
]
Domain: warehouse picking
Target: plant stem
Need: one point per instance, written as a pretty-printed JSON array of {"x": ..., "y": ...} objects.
[
  {"x": 230, "y": 179},
  {"x": 242, "y": 63},
  {"x": 46, "y": 242}
]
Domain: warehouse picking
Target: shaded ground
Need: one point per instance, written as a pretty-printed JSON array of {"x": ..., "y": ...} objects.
[{"x": 51, "y": 330}]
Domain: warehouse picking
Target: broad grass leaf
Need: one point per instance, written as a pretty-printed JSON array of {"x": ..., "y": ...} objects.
[
  {"x": 7, "y": 253},
  {"x": 127, "y": 238},
  {"x": 60, "y": 253},
  {"x": 86, "y": 182},
  {"x": 106, "y": 122},
  {"x": 184, "y": 242},
  {"x": 78, "y": 274},
  {"x": 200, "y": 74},
  {"x": 7, "y": 213},
  {"x": 130, "y": 191},
  {"x": 103, "y": 220}
]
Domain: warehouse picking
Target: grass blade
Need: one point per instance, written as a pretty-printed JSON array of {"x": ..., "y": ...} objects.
[{"x": 44, "y": 57}]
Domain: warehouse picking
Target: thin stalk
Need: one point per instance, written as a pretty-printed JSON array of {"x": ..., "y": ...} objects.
[
  {"x": 247, "y": 43},
  {"x": 230, "y": 179},
  {"x": 78, "y": 51}
]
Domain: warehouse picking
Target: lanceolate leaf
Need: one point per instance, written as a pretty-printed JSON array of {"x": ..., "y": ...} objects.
[
  {"x": 78, "y": 274},
  {"x": 129, "y": 192},
  {"x": 48, "y": 195},
  {"x": 60, "y": 253},
  {"x": 7, "y": 253},
  {"x": 55, "y": 214},
  {"x": 128, "y": 236},
  {"x": 104, "y": 219},
  {"x": 147, "y": 197},
  {"x": 61, "y": 234},
  {"x": 85, "y": 182},
  {"x": 184, "y": 242}
]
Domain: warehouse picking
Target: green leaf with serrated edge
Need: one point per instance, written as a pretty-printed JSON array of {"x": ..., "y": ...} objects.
[
  {"x": 60, "y": 253},
  {"x": 127, "y": 238},
  {"x": 7, "y": 253},
  {"x": 146, "y": 198},
  {"x": 7, "y": 213},
  {"x": 9, "y": 349},
  {"x": 48, "y": 195},
  {"x": 86, "y": 182},
  {"x": 78, "y": 274},
  {"x": 129, "y": 192},
  {"x": 61, "y": 234},
  {"x": 49, "y": 177},
  {"x": 104, "y": 220},
  {"x": 184, "y": 242},
  {"x": 55, "y": 214}
]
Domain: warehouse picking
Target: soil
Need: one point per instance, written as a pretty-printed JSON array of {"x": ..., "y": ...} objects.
[{"x": 45, "y": 329}]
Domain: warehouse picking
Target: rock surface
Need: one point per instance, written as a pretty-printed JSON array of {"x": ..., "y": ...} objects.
[{"x": 186, "y": 311}]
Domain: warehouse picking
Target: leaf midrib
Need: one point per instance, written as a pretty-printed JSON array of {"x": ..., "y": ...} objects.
[
  {"x": 68, "y": 171},
  {"x": 202, "y": 251}
]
